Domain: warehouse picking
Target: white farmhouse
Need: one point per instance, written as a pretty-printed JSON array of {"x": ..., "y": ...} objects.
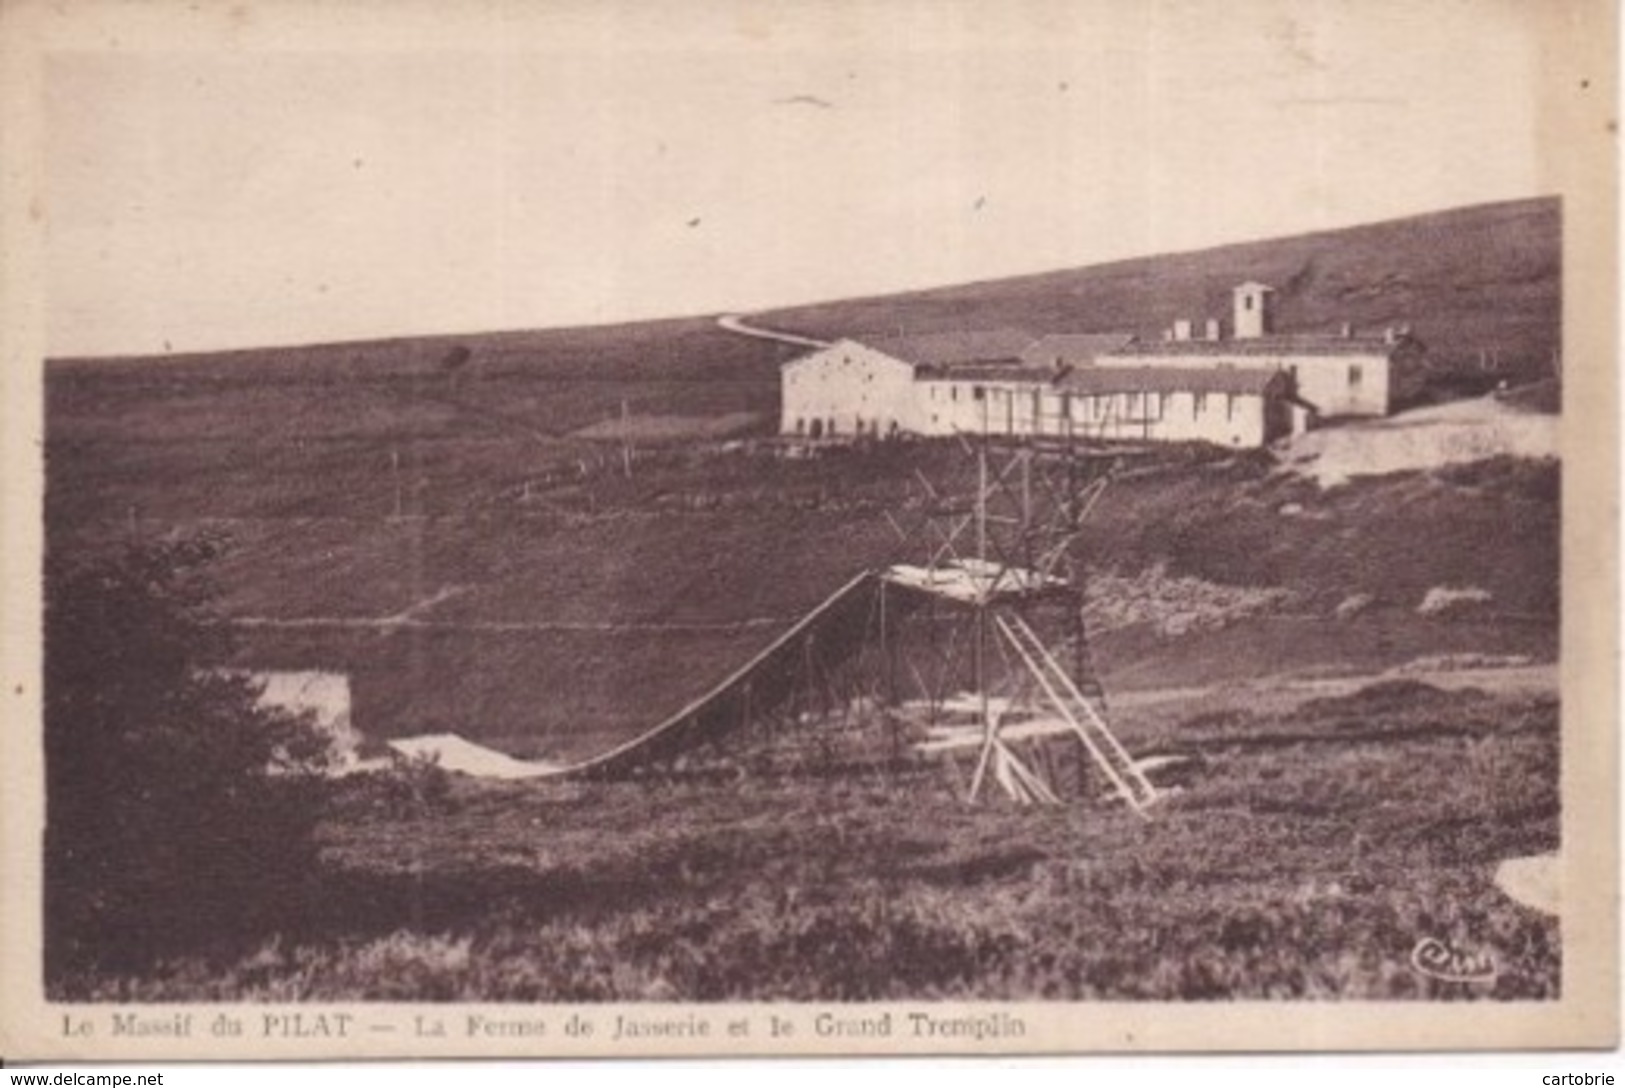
[{"x": 869, "y": 386}]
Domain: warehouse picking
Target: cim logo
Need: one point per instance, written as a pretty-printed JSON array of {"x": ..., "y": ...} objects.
[{"x": 1435, "y": 959}]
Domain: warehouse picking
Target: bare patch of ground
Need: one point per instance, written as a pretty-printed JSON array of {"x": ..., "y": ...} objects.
[
  {"x": 1427, "y": 438},
  {"x": 671, "y": 428},
  {"x": 1172, "y": 604}
]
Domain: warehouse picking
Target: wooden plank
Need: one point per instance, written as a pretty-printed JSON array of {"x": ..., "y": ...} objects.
[
  {"x": 1101, "y": 759},
  {"x": 951, "y": 738},
  {"x": 1035, "y": 785},
  {"x": 1131, "y": 768}
]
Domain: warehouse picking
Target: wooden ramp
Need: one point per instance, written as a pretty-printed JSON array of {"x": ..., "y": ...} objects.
[
  {"x": 836, "y": 633},
  {"x": 759, "y": 685}
]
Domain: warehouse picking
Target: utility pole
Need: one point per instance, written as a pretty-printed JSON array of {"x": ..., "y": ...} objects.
[
  {"x": 395, "y": 476},
  {"x": 983, "y": 598},
  {"x": 626, "y": 441}
]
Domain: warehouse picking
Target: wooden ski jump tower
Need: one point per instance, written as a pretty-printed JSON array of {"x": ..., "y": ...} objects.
[
  {"x": 981, "y": 651},
  {"x": 994, "y": 559}
]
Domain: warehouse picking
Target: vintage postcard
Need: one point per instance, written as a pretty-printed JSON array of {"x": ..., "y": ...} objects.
[{"x": 559, "y": 528}]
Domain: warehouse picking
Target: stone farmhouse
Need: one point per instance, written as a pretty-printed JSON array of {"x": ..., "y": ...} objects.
[{"x": 1248, "y": 389}]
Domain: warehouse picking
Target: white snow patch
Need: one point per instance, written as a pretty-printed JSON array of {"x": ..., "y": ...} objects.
[
  {"x": 1445, "y": 434},
  {"x": 1536, "y": 882},
  {"x": 453, "y": 753},
  {"x": 1442, "y": 599},
  {"x": 326, "y": 696}
]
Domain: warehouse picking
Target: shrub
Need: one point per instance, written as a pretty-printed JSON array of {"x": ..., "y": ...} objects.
[
  {"x": 178, "y": 810},
  {"x": 409, "y": 788}
]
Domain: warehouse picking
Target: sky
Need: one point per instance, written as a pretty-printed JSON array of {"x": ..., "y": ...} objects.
[{"x": 596, "y": 164}]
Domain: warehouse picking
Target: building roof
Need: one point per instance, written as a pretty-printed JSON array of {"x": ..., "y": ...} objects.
[
  {"x": 1100, "y": 380},
  {"x": 1285, "y": 344},
  {"x": 991, "y": 370},
  {"x": 1073, "y": 348},
  {"x": 1103, "y": 380},
  {"x": 951, "y": 348}
]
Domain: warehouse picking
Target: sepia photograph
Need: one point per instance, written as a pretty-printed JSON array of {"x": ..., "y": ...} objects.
[{"x": 810, "y": 528}]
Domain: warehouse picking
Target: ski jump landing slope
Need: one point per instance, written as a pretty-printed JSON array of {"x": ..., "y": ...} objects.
[
  {"x": 834, "y": 628},
  {"x": 824, "y": 638}
]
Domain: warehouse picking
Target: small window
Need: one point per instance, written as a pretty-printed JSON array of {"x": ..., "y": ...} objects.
[
  {"x": 977, "y": 393},
  {"x": 1198, "y": 404},
  {"x": 1230, "y": 406},
  {"x": 1355, "y": 376},
  {"x": 953, "y": 392}
]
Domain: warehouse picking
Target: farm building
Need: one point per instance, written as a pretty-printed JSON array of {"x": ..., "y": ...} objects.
[
  {"x": 1245, "y": 390},
  {"x": 870, "y": 387},
  {"x": 1112, "y": 403},
  {"x": 1337, "y": 374}
]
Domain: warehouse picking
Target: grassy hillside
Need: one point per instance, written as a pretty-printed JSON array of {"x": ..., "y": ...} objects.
[
  {"x": 345, "y": 428},
  {"x": 1485, "y": 278},
  {"x": 1311, "y": 845},
  {"x": 550, "y": 612},
  {"x": 458, "y": 480},
  {"x": 677, "y": 349}
]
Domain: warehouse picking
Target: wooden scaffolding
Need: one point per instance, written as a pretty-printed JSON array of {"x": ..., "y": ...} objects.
[{"x": 997, "y": 559}]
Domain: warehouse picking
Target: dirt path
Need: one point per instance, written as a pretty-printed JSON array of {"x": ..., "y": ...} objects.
[
  {"x": 1515, "y": 679},
  {"x": 736, "y": 323}
]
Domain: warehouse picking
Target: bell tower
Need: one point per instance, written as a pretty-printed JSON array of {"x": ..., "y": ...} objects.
[{"x": 1254, "y": 310}]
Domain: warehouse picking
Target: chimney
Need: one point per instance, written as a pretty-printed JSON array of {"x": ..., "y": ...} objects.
[
  {"x": 1390, "y": 335},
  {"x": 1254, "y": 315},
  {"x": 1182, "y": 329},
  {"x": 1347, "y": 331},
  {"x": 1213, "y": 328}
]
